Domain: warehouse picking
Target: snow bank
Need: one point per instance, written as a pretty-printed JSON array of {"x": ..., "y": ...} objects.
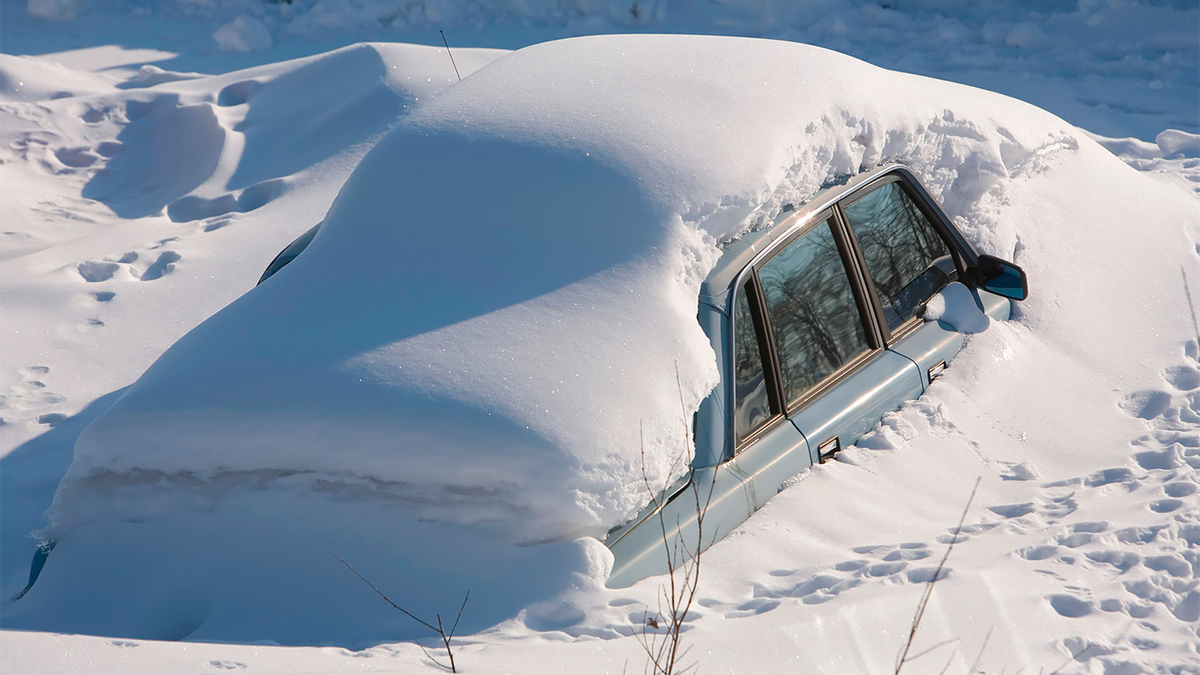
[
  {"x": 126, "y": 288},
  {"x": 1176, "y": 143},
  {"x": 29, "y": 79}
]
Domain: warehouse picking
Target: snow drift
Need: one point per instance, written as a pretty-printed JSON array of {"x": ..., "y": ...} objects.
[{"x": 485, "y": 335}]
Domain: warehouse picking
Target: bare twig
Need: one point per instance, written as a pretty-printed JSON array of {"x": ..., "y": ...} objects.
[
  {"x": 460, "y": 611},
  {"x": 447, "y": 43},
  {"x": 439, "y": 629},
  {"x": 665, "y": 651},
  {"x": 916, "y": 622},
  {"x": 939, "y": 645}
]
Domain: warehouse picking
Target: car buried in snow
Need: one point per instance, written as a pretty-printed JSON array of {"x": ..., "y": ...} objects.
[
  {"x": 818, "y": 325},
  {"x": 594, "y": 284}
]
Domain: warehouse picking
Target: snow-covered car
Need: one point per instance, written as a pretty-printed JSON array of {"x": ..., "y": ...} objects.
[
  {"x": 819, "y": 323},
  {"x": 592, "y": 266}
]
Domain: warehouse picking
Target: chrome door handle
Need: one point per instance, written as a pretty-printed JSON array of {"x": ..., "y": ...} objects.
[{"x": 828, "y": 449}]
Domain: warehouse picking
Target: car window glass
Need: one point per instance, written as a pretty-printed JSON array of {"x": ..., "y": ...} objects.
[
  {"x": 815, "y": 321},
  {"x": 906, "y": 258},
  {"x": 752, "y": 407}
]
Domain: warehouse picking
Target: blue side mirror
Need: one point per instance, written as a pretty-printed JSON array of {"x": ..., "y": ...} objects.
[{"x": 1002, "y": 278}]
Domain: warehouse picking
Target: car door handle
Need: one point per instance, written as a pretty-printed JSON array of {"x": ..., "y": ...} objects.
[
  {"x": 828, "y": 449},
  {"x": 936, "y": 371}
]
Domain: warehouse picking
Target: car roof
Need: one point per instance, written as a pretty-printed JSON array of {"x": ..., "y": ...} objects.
[{"x": 740, "y": 252}]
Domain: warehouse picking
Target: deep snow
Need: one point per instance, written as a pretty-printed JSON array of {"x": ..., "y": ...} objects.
[{"x": 1080, "y": 414}]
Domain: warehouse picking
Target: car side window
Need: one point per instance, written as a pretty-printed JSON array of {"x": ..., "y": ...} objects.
[
  {"x": 815, "y": 321},
  {"x": 907, "y": 260},
  {"x": 752, "y": 407}
]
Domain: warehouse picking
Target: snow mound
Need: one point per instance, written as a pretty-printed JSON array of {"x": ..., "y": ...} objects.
[
  {"x": 495, "y": 322},
  {"x": 28, "y": 79},
  {"x": 1176, "y": 143}
]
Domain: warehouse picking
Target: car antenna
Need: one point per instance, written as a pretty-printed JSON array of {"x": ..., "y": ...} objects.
[{"x": 451, "y": 55}]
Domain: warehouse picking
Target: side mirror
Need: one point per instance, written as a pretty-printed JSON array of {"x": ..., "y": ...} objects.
[{"x": 1002, "y": 278}]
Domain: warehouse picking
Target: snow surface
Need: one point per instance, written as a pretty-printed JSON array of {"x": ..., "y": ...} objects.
[{"x": 1081, "y": 414}]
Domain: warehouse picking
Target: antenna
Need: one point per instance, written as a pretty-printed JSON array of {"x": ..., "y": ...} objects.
[{"x": 451, "y": 55}]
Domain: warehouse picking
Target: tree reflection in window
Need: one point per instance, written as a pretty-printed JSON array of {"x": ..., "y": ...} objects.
[
  {"x": 752, "y": 406},
  {"x": 815, "y": 322},
  {"x": 907, "y": 259}
]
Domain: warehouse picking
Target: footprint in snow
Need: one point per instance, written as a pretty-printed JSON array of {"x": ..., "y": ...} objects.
[
  {"x": 164, "y": 264},
  {"x": 1147, "y": 570},
  {"x": 1168, "y": 458},
  {"x": 77, "y": 158},
  {"x": 1110, "y": 476},
  {"x": 1021, "y": 471},
  {"x": 1012, "y": 510},
  {"x": 1183, "y": 378},
  {"x": 94, "y": 271},
  {"x": 1071, "y": 606},
  {"x": 91, "y": 115},
  {"x": 32, "y": 396},
  {"x": 1179, "y": 489},
  {"x": 1146, "y": 404},
  {"x": 51, "y": 419},
  {"x": 256, "y": 196},
  {"x": 237, "y": 93},
  {"x": 1038, "y": 552}
]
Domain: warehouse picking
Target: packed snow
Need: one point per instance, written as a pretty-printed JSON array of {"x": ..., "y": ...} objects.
[{"x": 205, "y": 501}]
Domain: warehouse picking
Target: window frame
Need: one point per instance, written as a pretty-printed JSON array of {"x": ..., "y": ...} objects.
[
  {"x": 754, "y": 298},
  {"x": 830, "y": 209},
  {"x": 941, "y": 225}
]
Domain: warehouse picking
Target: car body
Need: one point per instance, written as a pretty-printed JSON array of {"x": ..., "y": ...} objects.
[{"x": 817, "y": 324}]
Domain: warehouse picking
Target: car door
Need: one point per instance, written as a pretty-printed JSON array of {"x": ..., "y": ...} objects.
[
  {"x": 768, "y": 447},
  {"x": 825, "y": 369},
  {"x": 907, "y": 259}
]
